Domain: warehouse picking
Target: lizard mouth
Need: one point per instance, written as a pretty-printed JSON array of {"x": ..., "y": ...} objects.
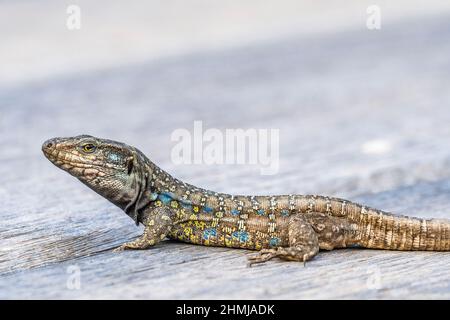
[
  {"x": 87, "y": 170},
  {"x": 68, "y": 161},
  {"x": 52, "y": 153}
]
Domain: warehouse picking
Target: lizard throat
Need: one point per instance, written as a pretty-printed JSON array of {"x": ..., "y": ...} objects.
[{"x": 141, "y": 197}]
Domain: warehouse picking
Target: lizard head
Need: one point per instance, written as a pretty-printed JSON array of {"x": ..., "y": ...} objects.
[{"x": 114, "y": 170}]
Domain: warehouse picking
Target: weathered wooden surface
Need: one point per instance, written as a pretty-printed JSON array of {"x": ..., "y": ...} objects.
[{"x": 329, "y": 96}]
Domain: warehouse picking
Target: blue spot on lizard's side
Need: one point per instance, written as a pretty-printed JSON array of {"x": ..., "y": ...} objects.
[
  {"x": 165, "y": 197},
  {"x": 210, "y": 232},
  {"x": 242, "y": 236},
  {"x": 235, "y": 212},
  {"x": 273, "y": 242},
  {"x": 207, "y": 209},
  {"x": 260, "y": 212}
]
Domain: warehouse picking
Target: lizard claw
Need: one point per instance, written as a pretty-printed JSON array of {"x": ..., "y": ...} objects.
[
  {"x": 262, "y": 256},
  {"x": 120, "y": 248}
]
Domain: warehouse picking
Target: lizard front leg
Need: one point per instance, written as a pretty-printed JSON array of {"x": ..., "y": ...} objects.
[
  {"x": 157, "y": 225},
  {"x": 303, "y": 244}
]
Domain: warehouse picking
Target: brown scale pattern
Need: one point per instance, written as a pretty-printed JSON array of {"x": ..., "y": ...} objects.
[
  {"x": 370, "y": 228},
  {"x": 291, "y": 227}
]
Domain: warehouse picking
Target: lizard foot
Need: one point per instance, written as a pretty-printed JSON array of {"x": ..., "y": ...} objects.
[
  {"x": 289, "y": 253},
  {"x": 262, "y": 256},
  {"x": 138, "y": 244},
  {"x": 120, "y": 248},
  {"x": 123, "y": 247}
]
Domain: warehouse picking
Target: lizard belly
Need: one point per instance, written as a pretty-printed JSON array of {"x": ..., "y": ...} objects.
[{"x": 253, "y": 233}]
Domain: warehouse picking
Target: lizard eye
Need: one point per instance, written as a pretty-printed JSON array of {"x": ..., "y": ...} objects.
[{"x": 88, "y": 148}]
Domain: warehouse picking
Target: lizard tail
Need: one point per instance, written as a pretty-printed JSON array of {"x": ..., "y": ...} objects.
[{"x": 382, "y": 230}]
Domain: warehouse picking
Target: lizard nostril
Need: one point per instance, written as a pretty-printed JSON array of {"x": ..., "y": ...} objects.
[{"x": 48, "y": 145}]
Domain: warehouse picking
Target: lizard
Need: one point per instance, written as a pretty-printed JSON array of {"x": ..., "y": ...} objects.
[{"x": 291, "y": 227}]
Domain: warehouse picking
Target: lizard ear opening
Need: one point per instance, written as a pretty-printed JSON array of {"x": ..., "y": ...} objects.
[{"x": 130, "y": 164}]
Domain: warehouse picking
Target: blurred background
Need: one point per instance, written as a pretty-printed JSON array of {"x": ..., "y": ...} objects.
[
  {"x": 363, "y": 114},
  {"x": 37, "y": 45}
]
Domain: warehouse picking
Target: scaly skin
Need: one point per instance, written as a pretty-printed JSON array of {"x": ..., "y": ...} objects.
[{"x": 291, "y": 227}]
